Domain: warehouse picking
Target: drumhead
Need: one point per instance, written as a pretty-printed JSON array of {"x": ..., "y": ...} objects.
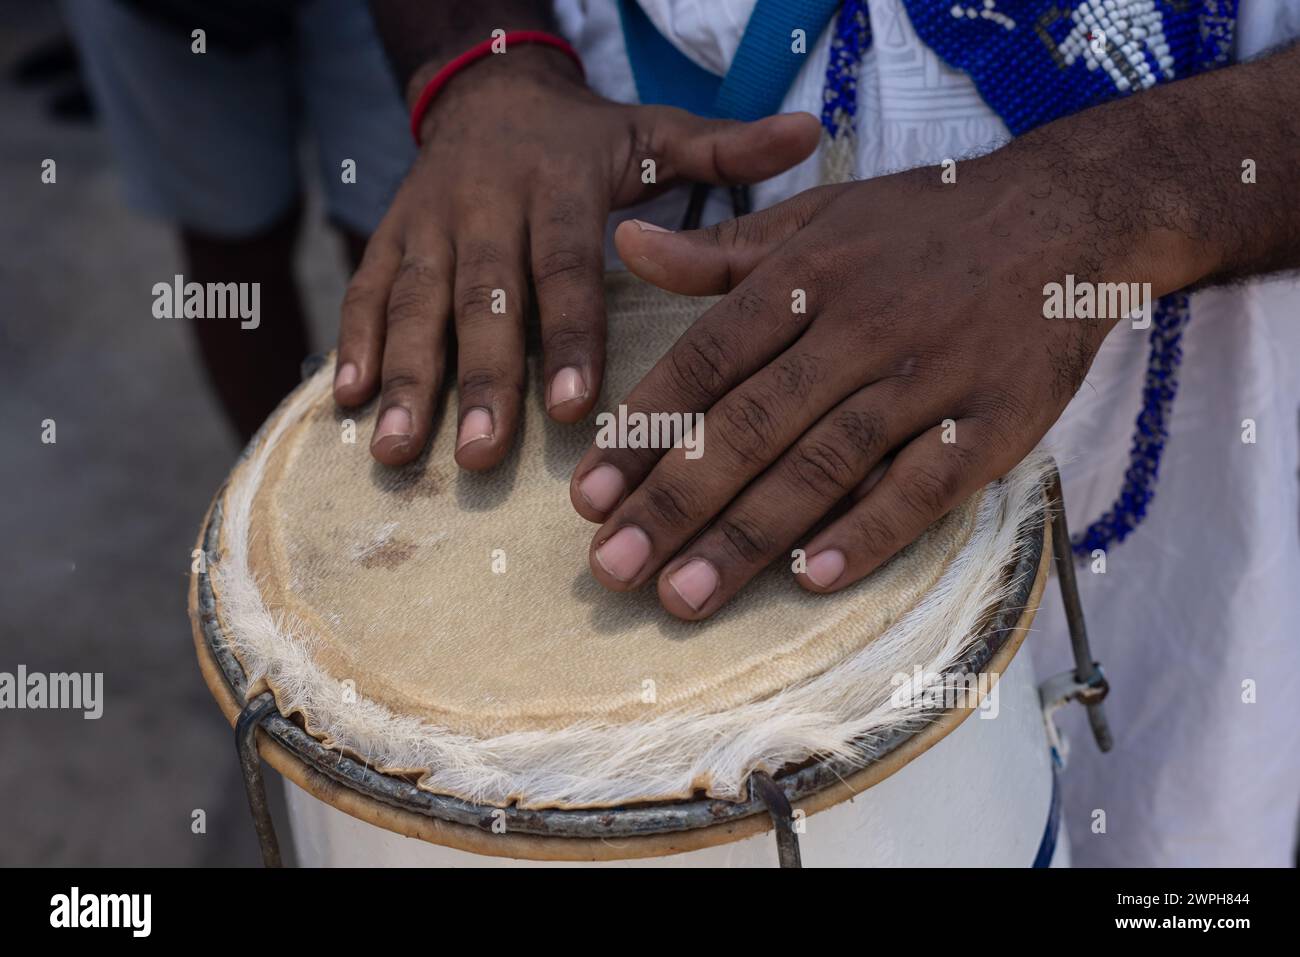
[
  {"x": 443, "y": 625},
  {"x": 637, "y": 831}
]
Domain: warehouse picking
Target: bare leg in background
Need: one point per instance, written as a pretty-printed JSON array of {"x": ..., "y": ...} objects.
[{"x": 251, "y": 370}]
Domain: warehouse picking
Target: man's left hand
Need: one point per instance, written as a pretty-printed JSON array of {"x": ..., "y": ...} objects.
[{"x": 920, "y": 369}]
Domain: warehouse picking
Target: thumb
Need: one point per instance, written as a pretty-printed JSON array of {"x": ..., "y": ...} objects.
[
  {"x": 725, "y": 152},
  {"x": 714, "y": 260}
]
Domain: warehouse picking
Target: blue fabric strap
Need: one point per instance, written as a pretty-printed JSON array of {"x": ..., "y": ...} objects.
[
  {"x": 765, "y": 64},
  {"x": 664, "y": 74},
  {"x": 761, "y": 72}
]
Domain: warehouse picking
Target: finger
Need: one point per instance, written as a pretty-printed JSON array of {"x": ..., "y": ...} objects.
[
  {"x": 873, "y": 478},
  {"x": 820, "y": 472},
  {"x": 418, "y": 308},
  {"x": 566, "y": 233},
  {"x": 733, "y": 340},
  {"x": 491, "y": 299},
  {"x": 684, "y": 146},
  {"x": 714, "y": 260},
  {"x": 738, "y": 439},
  {"x": 363, "y": 320},
  {"x": 927, "y": 480}
]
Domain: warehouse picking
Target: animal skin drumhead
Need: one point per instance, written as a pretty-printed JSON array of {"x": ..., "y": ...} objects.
[{"x": 445, "y": 622}]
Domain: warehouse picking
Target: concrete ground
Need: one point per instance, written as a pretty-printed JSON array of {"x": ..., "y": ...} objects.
[{"x": 98, "y": 526}]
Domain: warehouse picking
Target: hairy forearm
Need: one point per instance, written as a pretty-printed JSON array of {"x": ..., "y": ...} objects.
[
  {"x": 1160, "y": 185},
  {"x": 423, "y": 35}
]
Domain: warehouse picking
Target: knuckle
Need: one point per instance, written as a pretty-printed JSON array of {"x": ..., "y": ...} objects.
[
  {"x": 696, "y": 365},
  {"x": 570, "y": 341},
  {"x": 668, "y": 504},
  {"x": 751, "y": 431},
  {"x": 475, "y": 254},
  {"x": 751, "y": 230},
  {"x": 744, "y": 539},
  {"x": 928, "y": 490},
  {"x": 823, "y": 469},
  {"x": 419, "y": 271},
  {"x": 400, "y": 381},
  {"x": 717, "y": 235},
  {"x": 413, "y": 291},
  {"x": 359, "y": 299},
  {"x": 643, "y": 138},
  {"x": 565, "y": 211},
  {"x": 805, "y": 206},
  {"x": 797, "y": 374},
  {"x": 746, "y": 303},
  {"x": 999, "y": 408},
  {"x": 863, "y": 430},
  {"x": 639, "y": 143},
  {"x": 729, "y": 232},
  {"x": 651, "y": 137},
  {"x": 874, "y": 535},
  {"x": 812, "y": 266},
  {"x": 561, "y": 266},
  {"x": 964, "y": 458},
  {"x": 474, "y": 299},
  {"x": 406, "y": 303},
  {"x": 481, "y": 379}
]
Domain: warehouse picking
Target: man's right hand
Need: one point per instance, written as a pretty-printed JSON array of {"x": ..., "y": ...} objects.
[{"x": 506, "y": 207}]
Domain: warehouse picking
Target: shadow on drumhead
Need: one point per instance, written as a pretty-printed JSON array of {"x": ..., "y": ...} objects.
[
  {"x": 610, "y": 614},
  {"x": 564, "y": 445}
]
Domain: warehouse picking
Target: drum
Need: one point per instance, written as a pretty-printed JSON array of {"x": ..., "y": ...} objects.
[{"x": 423, "y": 655}]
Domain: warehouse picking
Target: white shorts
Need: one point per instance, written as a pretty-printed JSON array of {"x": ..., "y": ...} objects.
[{"x": 213, "y": 141}]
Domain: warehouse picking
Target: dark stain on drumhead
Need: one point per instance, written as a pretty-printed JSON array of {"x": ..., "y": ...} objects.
[
  {"x": 388, "y": 555},
  {"x": 415, "y": 481}
]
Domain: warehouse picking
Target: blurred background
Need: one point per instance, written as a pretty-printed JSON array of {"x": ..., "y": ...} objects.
[{"x": 99, "y": 526}]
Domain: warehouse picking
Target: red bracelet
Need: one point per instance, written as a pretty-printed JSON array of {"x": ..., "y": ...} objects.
[{"x": 478, "y": 52}]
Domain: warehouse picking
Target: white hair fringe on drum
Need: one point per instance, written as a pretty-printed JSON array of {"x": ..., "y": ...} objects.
[{"x": 668, "y": 757}]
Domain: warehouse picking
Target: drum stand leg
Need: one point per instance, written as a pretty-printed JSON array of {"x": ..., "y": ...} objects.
[
  {"x": 783, "y": 819},
  {"x": 1086, "y": 684},
  {"x": 250, "y": 719}
]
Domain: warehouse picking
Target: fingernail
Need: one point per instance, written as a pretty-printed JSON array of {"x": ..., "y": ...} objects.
[
  {"x": 650, "y": 227},
  {"x": 394, "y": 423},
  {"x": 345, "y": 376},
  {"x": 602, "y": 487},
  {"x": 565, "y": 387},
  {"x": 825, "y": 568},
  {"x": 477, "y": 424},
  {"x": 694, "y": 582},
  {"x": 625, "y": 552}
]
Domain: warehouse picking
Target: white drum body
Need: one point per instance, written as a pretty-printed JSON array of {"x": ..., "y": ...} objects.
[{"x": 982, "y": 796}]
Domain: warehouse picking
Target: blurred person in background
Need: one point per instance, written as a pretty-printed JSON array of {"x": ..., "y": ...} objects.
[{"x": 208, "y": 132}]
